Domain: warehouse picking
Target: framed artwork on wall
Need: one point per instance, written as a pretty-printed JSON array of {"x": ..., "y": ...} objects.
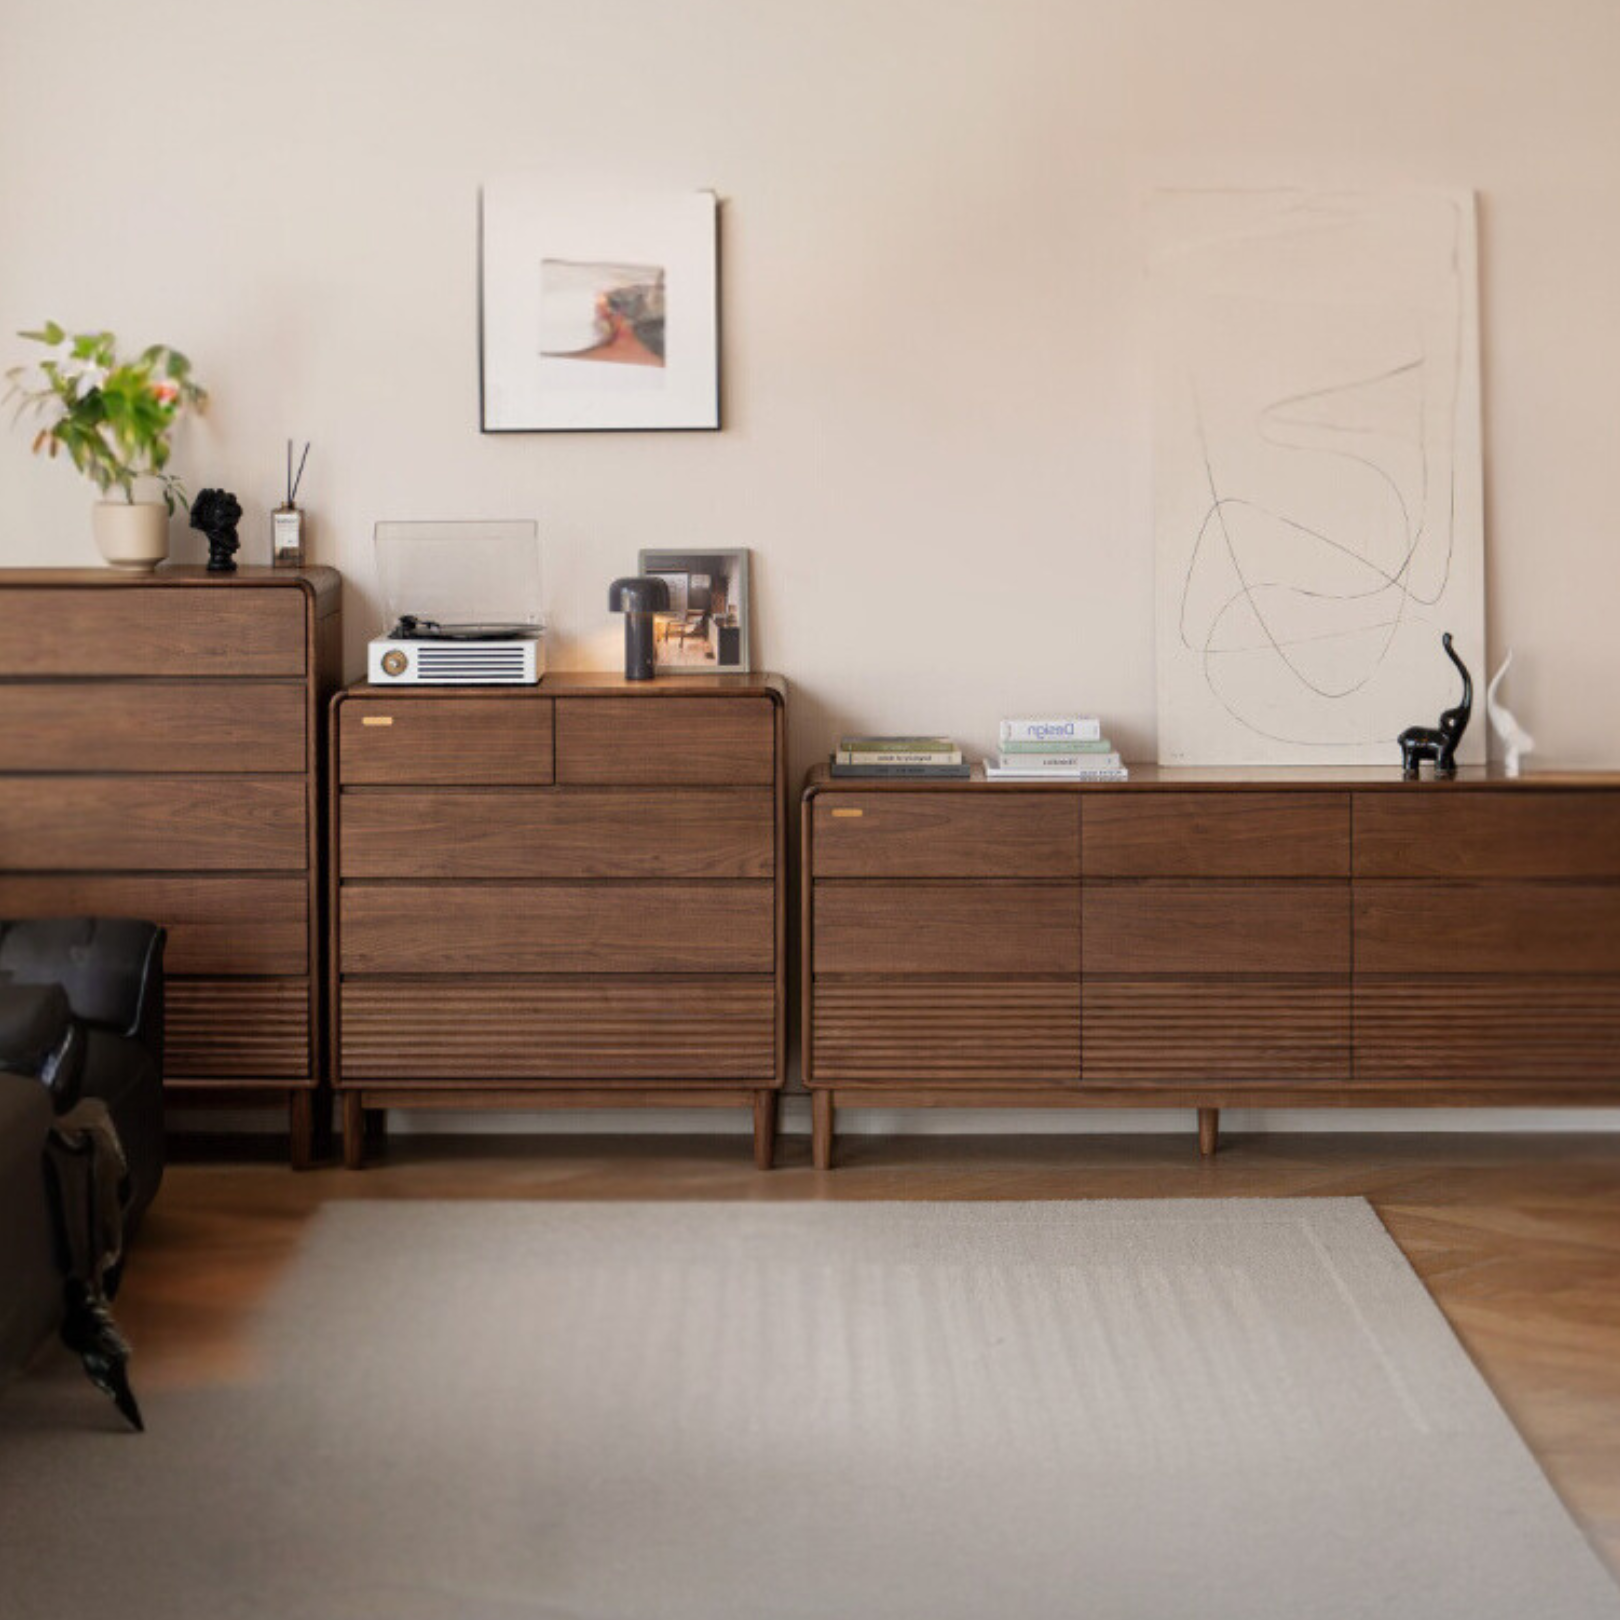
[
  {"x": 597, "y": 313},
  {"x": 705, "y": 631}
]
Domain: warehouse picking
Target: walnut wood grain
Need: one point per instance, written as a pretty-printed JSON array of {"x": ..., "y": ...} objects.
[
  {"x": 404, "y": 740},
  {"x": 560, "y": 833},
  {"x": 1499, "y": 833},
  {"x": 1532, "y": 1032},
  {"x": 1510, "y": 927},
  {"x": 144, "y": 631},
  {"x": 1180, "y": 926},
  {"x": 152, "y": 726},
  {"x": 694, "y": 742},
  {"x": 152, "y": 823},
  {"x": 216, "y": 925},
  {"x": 1176, "y": 1030},
  {"x": 238, "y": 1029},
  {"x": 671, "y": 1027},
  {"x": 1272, "y": 835},
  {"x": 945, "y": 1029},
  {"x": 946, "y": 835},
  {"x": 864, "y": 925},
  {"x": 715, "y": 927}
]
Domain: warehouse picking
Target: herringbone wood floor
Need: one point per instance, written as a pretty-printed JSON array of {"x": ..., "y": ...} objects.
[{"x": 1518, "y": 1238}]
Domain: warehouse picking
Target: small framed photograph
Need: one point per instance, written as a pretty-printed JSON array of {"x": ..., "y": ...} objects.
[
  {"x": 705, "y": 631},
  {"x": 597, "y": 313}
]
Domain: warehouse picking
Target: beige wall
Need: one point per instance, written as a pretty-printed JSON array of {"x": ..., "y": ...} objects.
[{"x": 934, "y": 354}]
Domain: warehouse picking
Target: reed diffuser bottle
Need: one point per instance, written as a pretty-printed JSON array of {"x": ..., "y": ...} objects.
[{"x": 287, "y": 521}]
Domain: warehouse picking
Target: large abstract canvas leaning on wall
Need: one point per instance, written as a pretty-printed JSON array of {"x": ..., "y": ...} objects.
[{"x": 1317, "y": 491}]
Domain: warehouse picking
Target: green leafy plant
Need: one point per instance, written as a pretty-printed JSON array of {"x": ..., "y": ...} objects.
[{"x": 113, "y": 417}]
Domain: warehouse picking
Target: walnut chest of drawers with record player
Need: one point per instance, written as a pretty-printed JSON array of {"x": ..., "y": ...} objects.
[
  {"x": 161, "y": 742},
  {"x": 570, "y": 895}
]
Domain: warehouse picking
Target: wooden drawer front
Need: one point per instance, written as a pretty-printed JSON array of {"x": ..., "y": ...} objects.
[
  {"x": 666, "y": 741},
  {"x": 197, "y": 727},
  {"x": 1531, "y": 1030},
  {"x": 984, "y": 929},
  {"x": 234, "y": 1029},
  {"x": 1491, "y": 833},
  {"x": 1234, "y": 1030},
  {"x": 1444, "y": 927},
  {"x": 145, "y": 824},
  {"x": 946, "y": 835},
  {"x": 216, "y": 925},
  {"x": 428, "y": 741},
  {"x": 559, "y": 928},
  {"x": 1233, "y": 835},
  {"x": 946, "y": 1029},
  {"x": 670, "y": 1028},
  {"x": 560, "y": 833},
  {"x": 1193, "y": 928},
  {"x": 131, "y": 629}
]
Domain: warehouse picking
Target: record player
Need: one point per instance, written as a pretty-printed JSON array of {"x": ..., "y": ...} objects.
[{"x": 463, "y": 605}]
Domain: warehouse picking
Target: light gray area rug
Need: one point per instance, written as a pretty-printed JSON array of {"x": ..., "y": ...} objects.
[{"x": 874, "y": 1411}]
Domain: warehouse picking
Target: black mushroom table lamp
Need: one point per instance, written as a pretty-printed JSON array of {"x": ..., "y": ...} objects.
[{"x": 638, "y": 598}]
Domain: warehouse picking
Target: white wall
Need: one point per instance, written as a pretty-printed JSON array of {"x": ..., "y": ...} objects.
[{"x": 934, "y": 350}]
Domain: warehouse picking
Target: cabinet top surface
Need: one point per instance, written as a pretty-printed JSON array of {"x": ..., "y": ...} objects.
[
  {"x": 589, "y": 683},
  {"x": 169, "y": 574},
  {"x": 1235, "y": 778}
]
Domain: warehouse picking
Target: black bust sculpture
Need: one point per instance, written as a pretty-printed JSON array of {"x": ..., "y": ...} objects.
[
  {"x": 1439, "y": 743},
  {"x": 216, "y": 512}
]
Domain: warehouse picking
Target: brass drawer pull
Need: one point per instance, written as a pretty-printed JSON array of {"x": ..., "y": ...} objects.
[
  {"x": 849, "y": 812},
  {"x": 376, "y": 719}
]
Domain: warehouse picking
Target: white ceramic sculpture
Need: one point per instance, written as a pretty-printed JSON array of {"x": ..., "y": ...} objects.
[{"x": 1516, "y": 741}]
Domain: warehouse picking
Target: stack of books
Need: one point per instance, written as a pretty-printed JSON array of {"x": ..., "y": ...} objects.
[
  {"x": 925, "y": 757},
  {"x": 1068, "y": 748}
]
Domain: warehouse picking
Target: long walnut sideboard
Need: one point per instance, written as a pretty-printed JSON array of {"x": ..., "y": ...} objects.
[
  {"x": 1211, "y": 939},
  {"x": 571, "y": 895},
  {"x": 160, "y": 757}
]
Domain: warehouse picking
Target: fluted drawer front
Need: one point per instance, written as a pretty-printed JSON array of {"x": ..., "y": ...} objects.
[
  {"x": 128, "y": 628},
  {"x": 1236, "y": 1030},
  {"x": 718, "y": 927},
  {"x": 168, "y": 727},
  {"x": 216, "y": 925},
  {"x": 225, "y": 1029},
  {"x": 1534, "y": 1030},
  {"x": 673, "y": 1027},
  {"x": 946, "y": 1029},
  {"x": 154, "y": 823},
  {"x": 560, "y": 833}
]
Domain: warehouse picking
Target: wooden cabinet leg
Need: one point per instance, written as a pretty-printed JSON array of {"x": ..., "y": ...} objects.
[
  {"x": 354, "y": 1131},
  {"x": 764, "y": 1129},
  {"x": 301, "y": 1128},
  {"x": 821, "y": 1129},
  {"x": 1209, "y": 1131}
]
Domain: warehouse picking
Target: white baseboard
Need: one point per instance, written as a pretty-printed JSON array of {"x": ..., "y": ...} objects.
[{"x": 795, "y": 1121}]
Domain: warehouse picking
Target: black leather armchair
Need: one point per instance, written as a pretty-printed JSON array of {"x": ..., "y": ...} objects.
[{"x": 81, "y": 1016}]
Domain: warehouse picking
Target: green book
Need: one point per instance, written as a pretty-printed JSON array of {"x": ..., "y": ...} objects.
[
  {"x": 1100, "y": 746},
  {"x": 896, "y": 745}
]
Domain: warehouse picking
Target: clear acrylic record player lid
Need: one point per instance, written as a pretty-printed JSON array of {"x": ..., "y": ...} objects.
[{"x": 472, "y": 573}]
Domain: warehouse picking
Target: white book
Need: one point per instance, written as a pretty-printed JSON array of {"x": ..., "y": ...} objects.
[
  {"x": 1059, "y": 729},
  {"x": 1001, "y": 773},
  {"x": 1059, "y": 764}
]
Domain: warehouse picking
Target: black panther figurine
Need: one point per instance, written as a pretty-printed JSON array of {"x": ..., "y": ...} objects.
[
  {"x": 217, "y": 512},
  {"x": 1439, "y": 743}
]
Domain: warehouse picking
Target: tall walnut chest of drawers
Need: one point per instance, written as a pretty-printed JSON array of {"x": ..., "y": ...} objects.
[
  {"x": 161, "y": 756},
  {"x": 570, "y": 895},
  {"x": 1212, "y": 939}
]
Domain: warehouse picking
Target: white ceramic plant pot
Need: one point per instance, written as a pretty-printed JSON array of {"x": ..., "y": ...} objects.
[{"x": 132, "y": 535}]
